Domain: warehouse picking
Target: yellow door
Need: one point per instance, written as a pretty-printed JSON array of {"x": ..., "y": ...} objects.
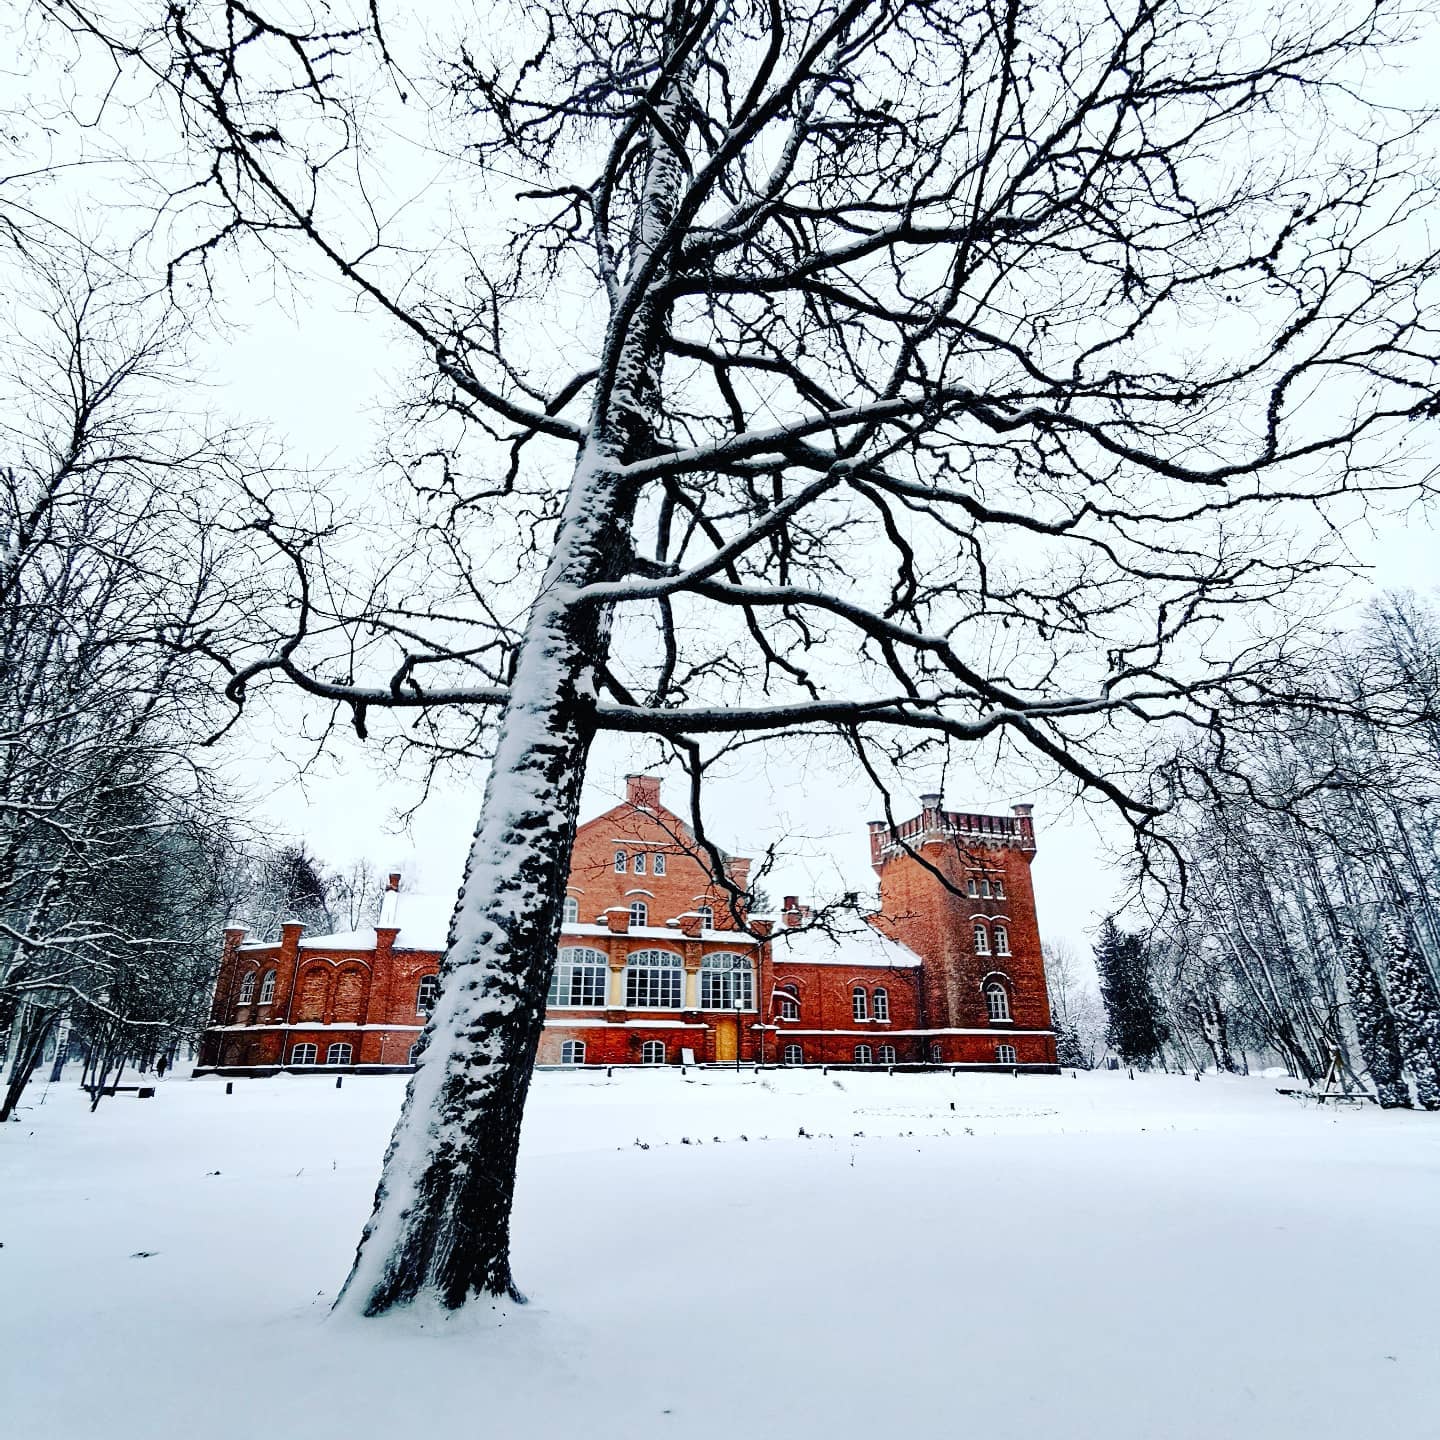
[{"x": 726, "y": 1038}]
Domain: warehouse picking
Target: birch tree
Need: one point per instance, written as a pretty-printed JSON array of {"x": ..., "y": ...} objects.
[{"x": 925, "y": 374}]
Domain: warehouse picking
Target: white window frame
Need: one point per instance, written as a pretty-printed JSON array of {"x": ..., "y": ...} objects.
[
  {"x": 1005, "y": 1055},
  {"x": 792, "y": 1055},
  {"x": 425, "y": 989},
  {"x": 658, "y": 868},
  {"x": 639, "y": 913},
  {"x": 982, "y": 939},
  {"x": 305, "y": 1053},
  {"x": 579, "y": 970},
  {"x": 985, "y": 889},
  {"x": 718, "y": 974},
  {"x": 859, "y": 1004},
  {"x": 1002, "y": 940},
  {"x": 997, "y": 1001},
  {"x": 654, "y": 980},
  {"x": 572, "y": 1052},
  {"x": 788, "y": 1007},
  {"x": 937, "y": 1053},
  {"x": 570, "y": 911},
  {"x": 864, "y": 1055},
  {"x": 247, "y": 989},
  {"x": 652, "y": 1052},
  {"x": 267, "y": 988},
  {"x": 622, "y": 862},
  {"x": 973, "y": 888},
  {"x": 999, "y": 888},
  {"x": 639, "y": 865},
  {"x": 707, "y": 916},
  {"x": 880, "y": 1004},
  {"x": 331, "y": 1058},
  {"x": 886, "y": 1054}
]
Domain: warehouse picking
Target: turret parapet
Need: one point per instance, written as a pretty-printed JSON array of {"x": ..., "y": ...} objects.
[{"x": 954, "y": 827}]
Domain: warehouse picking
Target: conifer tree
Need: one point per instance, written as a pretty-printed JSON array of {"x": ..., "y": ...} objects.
[
  {"x": 1374, "y": 1026},
  {"x": 1136, "y": 1030},
  {"x": 1416, "y": 1009}
]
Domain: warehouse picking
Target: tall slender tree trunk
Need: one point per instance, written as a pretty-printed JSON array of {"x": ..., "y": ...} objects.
[{"x": 440, "y": 1229}]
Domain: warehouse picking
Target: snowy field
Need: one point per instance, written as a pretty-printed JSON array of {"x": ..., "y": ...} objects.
[{"x": 984, "y": 1256}]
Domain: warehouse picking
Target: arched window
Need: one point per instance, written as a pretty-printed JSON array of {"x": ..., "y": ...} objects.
[
  {"x": 338, "y": 1054},
  {"x": 937, "y": 1053},
  {"x": 620, "y": 862},
  {"x": 570, "y": 911},
  {"x": 658, "y": 867},
  {"x": 997, "y": 1002},
  {"x": 654, "y": 980},
  {"x": 863, "y": 1055},
  {"x": 882, "y": 1003},
  {"x": 426, "y": 994},
  {"x": 652, "y": 1052},
  {"x": 1002, "y": 940},
  {"x": 267, "y": 987},
  {"x": 724, "y": 979},
  {"x": 793, "y": 1055},
  {"x": 572, "y": 1052},
  {"x": 579, "y": 978},
  {"x": 887, "y": 1054},
  {"x": 302, "y": 1054},
  {"x": 639, "y": 864},
  {"x": 859, "y": 1007},
  {"x": 1005, "y": 1054},
  {"x": 982, "y": 940},
  {"x": 787, "y": 1003},
  {"x": 707, "y": 917},
  {"x": 639, "y": 913},
  {"x": 247, "y": 989}
]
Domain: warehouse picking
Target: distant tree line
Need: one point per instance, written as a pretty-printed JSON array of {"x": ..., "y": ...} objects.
[{"x": 1298, "y": 916}]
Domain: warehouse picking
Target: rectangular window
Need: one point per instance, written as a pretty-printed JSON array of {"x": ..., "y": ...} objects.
[
  {"x": 639, "y": 864},
  {"x": 882, "y": 1004},
  {"x": 864, "y": 1055},
  {"x": 659, "y": 866},
  {"x": 887, "y": 1054},
  {"x": 1005, "y": 1054},
  {"x": 999, "y": 889},
  {"x": 620, "y": 859},
  {"x": 985, "y": 888},
  {"x": 652, "y": 1052},
  {"x": 572, "y": 1052},
  {"x": 794, "y": 1055},
  {"x": 974, "y": 886}
]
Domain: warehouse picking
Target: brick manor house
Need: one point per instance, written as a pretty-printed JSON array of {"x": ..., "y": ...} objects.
[{"x": 653, "y": 969}]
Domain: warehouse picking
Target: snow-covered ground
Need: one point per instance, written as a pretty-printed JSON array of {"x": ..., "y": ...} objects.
[{"x": 985, "y": 1256}]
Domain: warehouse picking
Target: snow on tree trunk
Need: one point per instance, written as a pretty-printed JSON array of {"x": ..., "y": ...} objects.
[
  {"x": 1374, "y": 1025},
  {"x": 440, "y": 1230},
  {"x": 1416, "y": 1009}
]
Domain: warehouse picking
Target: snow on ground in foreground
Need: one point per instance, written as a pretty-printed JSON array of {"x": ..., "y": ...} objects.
[{"x": 1096, "y": 1257}]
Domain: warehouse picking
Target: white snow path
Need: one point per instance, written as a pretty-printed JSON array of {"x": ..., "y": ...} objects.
[{"x": 1146, "y": 1260}]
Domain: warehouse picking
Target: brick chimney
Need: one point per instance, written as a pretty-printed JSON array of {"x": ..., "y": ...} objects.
[
  {"x": 643, "y": 791},
  {"x": 792, "y": 912},
  {"x": 737, "y": 868}
]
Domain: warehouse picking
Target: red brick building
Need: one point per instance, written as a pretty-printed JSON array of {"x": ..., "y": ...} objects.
[{"x": 656, "y": 967}]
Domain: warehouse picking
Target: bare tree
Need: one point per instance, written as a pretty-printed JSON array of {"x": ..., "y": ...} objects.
[
  {"x": 925, "y": 373},
  {"x": 1075, "y": 1006}
]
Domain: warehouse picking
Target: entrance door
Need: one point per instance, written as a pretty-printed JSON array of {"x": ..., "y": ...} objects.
[{"x": 727, "y": 1038}]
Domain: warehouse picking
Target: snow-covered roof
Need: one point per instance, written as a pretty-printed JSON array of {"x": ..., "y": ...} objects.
[
  {"x": 423, "y": 920},
  {"x": 852, "y": 948}
]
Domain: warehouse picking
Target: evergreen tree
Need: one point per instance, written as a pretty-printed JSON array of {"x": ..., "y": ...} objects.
[
  {"x": 1374, "y": 1026},
  {"x": 1416, "y": 1009},
  {"x": 1136, "y": 1030},
  {"x": 1068, "y": 1050}
]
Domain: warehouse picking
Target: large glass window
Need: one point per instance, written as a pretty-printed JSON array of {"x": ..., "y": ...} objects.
[
  {"x": 725, "y": 979},
  {"x": 303, "y": 1054},
  {"x": 426, "y": 993},
  {"x": 247, "y": 989},
  {"x": 882, "y": 1003},
  {"x": 572, "y": 1052},
  {"x": 639, "y": 913},
  {"x": 654, "y": 980},
  {"x": 997, "y": 1001},
  {"x": 579, "y": 978},
  {"x": 859, "y": 1007},
  {"x": 267, "y": 987},
  {"x": 338, "y": 1054},
  {"x": 652, "y": 1052}
]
